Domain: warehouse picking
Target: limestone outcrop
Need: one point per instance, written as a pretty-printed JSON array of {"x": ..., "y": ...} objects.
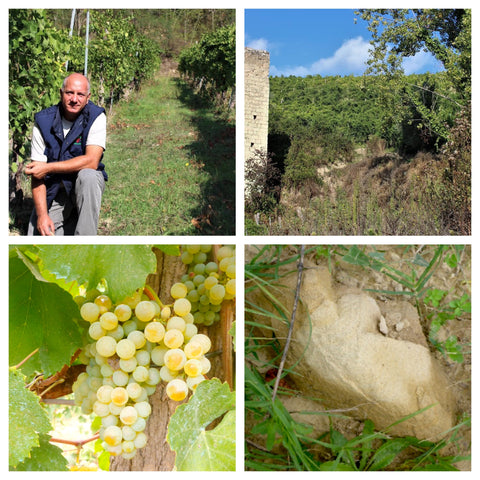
[{"x": 351, "y": 364}]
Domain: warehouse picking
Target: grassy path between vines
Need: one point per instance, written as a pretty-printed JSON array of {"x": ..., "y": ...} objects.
[{"x": 171, "y": 165}]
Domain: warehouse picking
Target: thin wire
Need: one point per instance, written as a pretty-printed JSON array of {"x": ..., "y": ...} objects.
[{"x": 292, "y": 321}]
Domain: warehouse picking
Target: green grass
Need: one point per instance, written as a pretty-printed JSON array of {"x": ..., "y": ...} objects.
[{"x": 170, "y": 159}]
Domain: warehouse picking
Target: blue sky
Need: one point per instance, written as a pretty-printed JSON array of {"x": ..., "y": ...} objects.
[{"x": 317, "y": 42}]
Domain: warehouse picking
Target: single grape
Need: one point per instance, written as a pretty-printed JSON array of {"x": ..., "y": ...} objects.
[
  {"x": 211, "y": 267},
  {"x": 224, "y": 252},
  {"x": 109, "y": 420},
  {"x": 230, "y": 271},
  {"x": 142, "y": 357},
  {"x": 129, "y": 326},
  {"x": 104, "y": 394},
  {"x": 200, "y": 258},
  {"x": 144, "y": 409},
  {"x": 112, "y": 435},
  {"x": 128, "y": 447},
  {"x": 178, "y": 290},
  {"x": 154, "y": 332},
  {"x": 126, "y": 349},
  {"x": 140, "y": 440},
  {"x": 129, "y": 415},
  {"x": 186, "y": 258},
  {"x": 193, "y": 367},
  {"x": 190, "y": 331},
  {"x": 175, "y": 359},
  {"x": 166, "y": 374},
  {"x": 165, "y": 313},
  {"x": 106, "y": 346},
  {"x": 128, "y": 433},
  {"x": 182, "y": 306},
  {"x": 153, "y": 377},
  {"x": 193, "y": 349},
  {"x": 177, "y": 323},
  {"x": 100, "y": 409},
  {"x": 210, "y": 282},
  {"x": 173, "y": 338},
  {"x": 193, "y": 249},
  {"x": 138, "y": 338},
  {"x": 230, "y": 287},
  {"x": 217, "y": 292},
  {"x": 198, "y": 280},
  {"x": 128, "y": 365},
  {"x": 206, "y": 365},
  {"x": 90, "y": 312},
  {"x": 119, "y": 396},
  {"x": 96, "y": 331},
  {"x": 193, "y": 296},
  {"x": 203, "y": 340},
  {"x": 104, "y": 303},
  {"x": 140, "y": 374},
  {"x": 139, "y": 425},
  {"x": 108, "y": 321},
  {"x": 134, "y": 390},
  {"x": 157, "y": 355},
  {"x": 199, "y": 268},
  {"x": 120, "y": 378},
  {"x": 177, "y": 389},
  {"x": 145, "y": 311},
  {"x": 123, "y": 312}
]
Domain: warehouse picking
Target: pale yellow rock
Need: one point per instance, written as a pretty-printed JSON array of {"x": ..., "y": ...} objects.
[{"x": 351, "y": 365}]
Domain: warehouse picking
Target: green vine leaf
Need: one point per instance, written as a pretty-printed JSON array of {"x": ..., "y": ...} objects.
[
  {"x": 125, "y": 267},
  {"x": 199, "y": 449},
  {"x": 27, "y": 419},
  {"x": 41, "y": 315},
  {"x": 46, "y": 457}
]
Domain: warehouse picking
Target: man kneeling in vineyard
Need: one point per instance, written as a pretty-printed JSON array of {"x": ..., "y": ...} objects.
[{"x": 67, "y": 175}]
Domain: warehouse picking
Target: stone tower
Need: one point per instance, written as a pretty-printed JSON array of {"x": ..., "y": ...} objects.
[{"x": 257, "y": 65}]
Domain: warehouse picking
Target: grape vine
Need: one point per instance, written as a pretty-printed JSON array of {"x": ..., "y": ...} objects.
[
  {"x": 210, "y": 64},
  {"x": 132, "y": 343}
]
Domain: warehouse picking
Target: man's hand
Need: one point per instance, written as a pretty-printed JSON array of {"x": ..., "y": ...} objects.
[
  {"x": 91, "y": 159},
  {"x": 38, "y": 170},
  {"x": 45, "y": 225}
]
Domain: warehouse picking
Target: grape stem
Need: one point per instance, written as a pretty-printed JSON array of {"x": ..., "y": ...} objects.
[
  {"x": 76, "y": 443},
  {"x": 152, "y": 295},
  {"x": 292, "y": 320},
  {"x": 56, "y": 401}
]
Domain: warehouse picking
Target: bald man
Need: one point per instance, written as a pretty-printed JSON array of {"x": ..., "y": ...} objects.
[{"x": 68, "y": 177}]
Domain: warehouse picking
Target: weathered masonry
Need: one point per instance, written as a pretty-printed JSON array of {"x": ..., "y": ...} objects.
[{"x": 257, "y": 65}]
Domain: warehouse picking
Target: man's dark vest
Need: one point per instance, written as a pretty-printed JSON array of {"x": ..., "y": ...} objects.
[{"x": 57, "y": 148}]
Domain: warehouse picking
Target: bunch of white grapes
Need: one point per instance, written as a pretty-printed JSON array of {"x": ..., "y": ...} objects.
[
  {"x": 208, "y": 281},
  {"x": 135, "y": 345}
]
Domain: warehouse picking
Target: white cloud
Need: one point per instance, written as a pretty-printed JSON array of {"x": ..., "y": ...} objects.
[
  {"x": 259, "y": 44},
  {"x": 349, "y": 59},
  {"x": 421, "y": 62}
]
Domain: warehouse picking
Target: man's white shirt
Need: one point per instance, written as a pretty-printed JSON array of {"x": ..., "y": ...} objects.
[{"x": 96, "y": 136}]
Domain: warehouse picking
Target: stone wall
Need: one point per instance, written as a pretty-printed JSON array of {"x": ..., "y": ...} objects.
[{"x": 257, "y": 64}]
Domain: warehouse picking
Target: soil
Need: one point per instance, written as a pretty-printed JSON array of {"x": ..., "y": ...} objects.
[{"x": 456, "y": 281}]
